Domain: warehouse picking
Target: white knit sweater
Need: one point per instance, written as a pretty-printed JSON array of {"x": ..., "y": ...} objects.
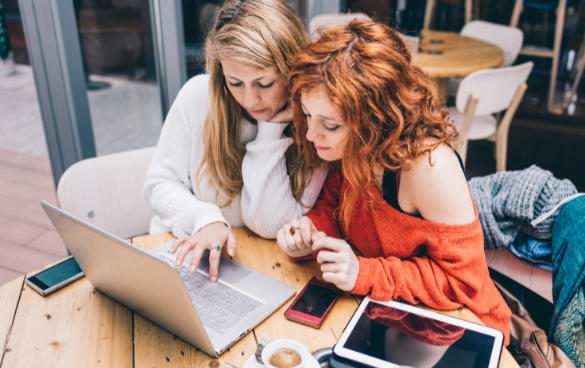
[{"x": 266, "y": 202}]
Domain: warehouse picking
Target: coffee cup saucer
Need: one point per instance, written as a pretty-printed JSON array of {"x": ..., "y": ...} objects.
[{"x": 253, "y": 363}]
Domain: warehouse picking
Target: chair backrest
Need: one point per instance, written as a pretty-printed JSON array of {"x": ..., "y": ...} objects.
[
  {"x": 106, "y": 192},
  {"x": 331, "y": 19},
  {"x": 495, "y": 88},
  {"x": 509, "y": 39}
]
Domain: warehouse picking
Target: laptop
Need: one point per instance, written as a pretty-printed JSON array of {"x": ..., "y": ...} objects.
[{"x": 209, "y": 316}]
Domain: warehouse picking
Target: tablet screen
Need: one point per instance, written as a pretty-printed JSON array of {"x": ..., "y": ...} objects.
[{"x": 410, "y": 340}]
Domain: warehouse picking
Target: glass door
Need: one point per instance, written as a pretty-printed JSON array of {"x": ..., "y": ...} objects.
[
  {"x": 106, "y": 73},
  {"x": 119, "y": 69}
]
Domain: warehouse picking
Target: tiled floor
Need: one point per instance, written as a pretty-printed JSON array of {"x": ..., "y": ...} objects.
[{"x": 28, "y": 241}]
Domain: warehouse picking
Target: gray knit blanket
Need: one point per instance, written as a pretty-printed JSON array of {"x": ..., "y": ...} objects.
[{"x": 508, "y": 201}]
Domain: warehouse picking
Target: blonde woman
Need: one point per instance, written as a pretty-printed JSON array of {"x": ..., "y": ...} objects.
[{"x": 225, "y": 155}]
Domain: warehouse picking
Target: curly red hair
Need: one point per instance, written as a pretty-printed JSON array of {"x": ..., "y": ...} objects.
[{"x": 389, "y": 104}]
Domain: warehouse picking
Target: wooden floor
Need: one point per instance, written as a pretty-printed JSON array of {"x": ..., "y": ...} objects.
[{"x": 28, "y": 240}]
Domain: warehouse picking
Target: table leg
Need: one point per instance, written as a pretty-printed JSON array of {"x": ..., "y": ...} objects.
[{"x": 442, "y": 89}]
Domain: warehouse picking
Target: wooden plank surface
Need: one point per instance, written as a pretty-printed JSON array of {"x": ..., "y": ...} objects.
[
  {"x": 155, "y": 347},
  {"x": 9, "y": 296},
  {"x": 148, "y": 242},
  {"x": 263, "y": 256},
  {"x": 76, "y": 326},
  {"x": 80, "y": 327},
  {"x": 272, "y": 262}
]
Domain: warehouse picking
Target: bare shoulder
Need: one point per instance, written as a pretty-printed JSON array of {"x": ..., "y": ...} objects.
[{"x": 437, "y": 188}]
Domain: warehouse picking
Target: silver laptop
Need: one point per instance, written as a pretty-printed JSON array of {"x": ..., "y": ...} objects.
[{"x": 210, "y": 316}]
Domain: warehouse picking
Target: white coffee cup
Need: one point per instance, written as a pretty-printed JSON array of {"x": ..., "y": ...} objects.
[{"x": 276, "y": 345}]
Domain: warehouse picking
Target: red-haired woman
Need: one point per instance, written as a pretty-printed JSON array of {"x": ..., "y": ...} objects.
[{"x": 397, "y": 190}]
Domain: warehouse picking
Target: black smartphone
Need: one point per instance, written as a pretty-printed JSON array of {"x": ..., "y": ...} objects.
[
  {"x": 313, "y": 303},
  {"x": 55, "y": 277}
]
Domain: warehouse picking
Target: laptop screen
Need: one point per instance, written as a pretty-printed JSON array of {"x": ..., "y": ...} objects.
[{"x": 407, "y": 339}]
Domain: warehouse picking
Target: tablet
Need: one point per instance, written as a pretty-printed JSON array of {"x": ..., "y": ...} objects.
[{"x": 393, "y": 334}]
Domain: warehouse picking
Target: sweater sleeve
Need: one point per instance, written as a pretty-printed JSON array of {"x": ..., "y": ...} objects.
[
  {"x": 267, "y": 200},
  {"x": 167, "y": 189},
  {"x": 452, "y": 273},
  {"x": 323, "y": 213}
]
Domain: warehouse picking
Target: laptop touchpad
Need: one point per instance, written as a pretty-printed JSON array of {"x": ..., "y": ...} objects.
[{"x": 228, "y": 271}]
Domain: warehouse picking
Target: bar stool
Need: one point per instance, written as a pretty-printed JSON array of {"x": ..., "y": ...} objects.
[
  {"x": 431, "y": 7},
  {"x": 579, "y": 67},
  {"x": 553, "y": 53}
]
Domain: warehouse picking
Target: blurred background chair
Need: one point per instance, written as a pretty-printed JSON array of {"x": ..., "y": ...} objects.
[
  {"x": 542, "y": 51},
  {"x": 432, "y": 5},
  {"x": 482, "y": 94},
  {"x": 331, "y": 19},
  {"x": 509, "y": 39},
  {"x": 106, "y": 192},
  {"x": 576, "y": 75}
]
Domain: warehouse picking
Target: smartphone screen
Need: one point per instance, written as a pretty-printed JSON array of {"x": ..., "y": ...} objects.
[
  {"x": 55, "y": 275},
  {"x": 315, "y": 300}
]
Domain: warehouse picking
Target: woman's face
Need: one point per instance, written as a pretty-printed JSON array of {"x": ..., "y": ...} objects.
[
  {"x": 327, "y": 131},
  {"x": 260, "y": 91}
]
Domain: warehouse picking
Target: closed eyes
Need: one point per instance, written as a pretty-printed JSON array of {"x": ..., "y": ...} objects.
[
  {"x": 265, "y": 86},
  {"x": 323, "y": 123},
  {"x": 330, "y": 129},
  {"x": 259, "y": 85}
]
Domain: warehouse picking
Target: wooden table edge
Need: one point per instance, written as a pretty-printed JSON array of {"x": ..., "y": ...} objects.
[{"x": 6, "y": 337}]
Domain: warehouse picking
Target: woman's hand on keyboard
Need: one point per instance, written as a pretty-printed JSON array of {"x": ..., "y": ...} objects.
[
  {"x": 208, "y": 237},
  {"x": 295, "y": 239}
]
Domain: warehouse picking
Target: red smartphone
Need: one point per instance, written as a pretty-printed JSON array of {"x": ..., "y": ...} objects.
[{"x": 313, "y": 303}]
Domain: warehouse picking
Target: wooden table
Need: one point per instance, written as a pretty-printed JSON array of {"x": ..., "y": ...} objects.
[
  {"x": 80, "y": 327},
  {"x": 460, "y": 57}
]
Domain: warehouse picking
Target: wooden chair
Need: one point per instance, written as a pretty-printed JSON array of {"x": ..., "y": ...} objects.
[
  {"x": 553, "y": 53},
  {"x": 431, "y": 8},
  {"x": 531, "y": 277},
  {"x": 482, "y": 94},
  {"x": 509, "y": 39},
  {"x": 331, "y": 19},
  {"x": 106, "y": 192}
]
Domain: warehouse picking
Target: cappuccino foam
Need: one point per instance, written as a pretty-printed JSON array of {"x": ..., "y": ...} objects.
[{"x": 285, "y": 358}]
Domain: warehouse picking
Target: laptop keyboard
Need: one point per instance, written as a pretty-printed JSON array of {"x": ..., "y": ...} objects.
[{"x": 218, "y": 305}]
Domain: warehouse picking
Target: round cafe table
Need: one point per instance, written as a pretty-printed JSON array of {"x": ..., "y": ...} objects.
[
  {"x": 444, "y": 55},
  {"x": 78, "y": 326}
]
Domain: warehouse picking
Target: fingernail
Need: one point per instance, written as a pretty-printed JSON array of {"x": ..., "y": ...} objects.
[
  {"x": 213, "y": 278},
  {"x": 192, "y": 269},
  {"x": 178, "y": 263}
]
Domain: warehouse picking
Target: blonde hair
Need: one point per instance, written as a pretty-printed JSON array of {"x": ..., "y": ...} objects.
[{"x": 257, "y": 34}]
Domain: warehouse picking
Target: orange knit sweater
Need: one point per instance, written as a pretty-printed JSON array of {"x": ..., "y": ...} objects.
[{"x": 414, "y": 260}]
